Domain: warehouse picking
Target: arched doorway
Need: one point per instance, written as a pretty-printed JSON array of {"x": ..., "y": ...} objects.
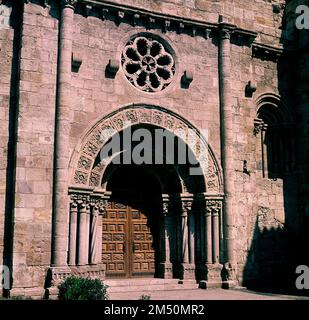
[
  {"x": 180, "y": 208},
  {"x": 131, "y": 224}
]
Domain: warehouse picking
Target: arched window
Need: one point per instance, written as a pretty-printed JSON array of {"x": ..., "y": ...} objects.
[{"x": 274, "y": 129}]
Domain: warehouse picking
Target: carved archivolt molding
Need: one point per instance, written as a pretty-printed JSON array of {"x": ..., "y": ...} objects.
[
  {"x": 147, "y": 64},
  {"x": 86, "y": 172}
]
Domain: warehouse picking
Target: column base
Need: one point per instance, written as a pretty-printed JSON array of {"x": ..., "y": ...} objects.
[
  {"x": 217, "y": 277},
  {"x": 229, "y": 276},
  {"x": 165, "y": 270},
  {"x": 187, "y": 271}
]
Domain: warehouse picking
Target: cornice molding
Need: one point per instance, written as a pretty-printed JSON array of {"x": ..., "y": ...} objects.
[
  {"x": 266, "y": 52},
  {"x": 120, "y": 13},
  {"x": 136, "y": 16}
]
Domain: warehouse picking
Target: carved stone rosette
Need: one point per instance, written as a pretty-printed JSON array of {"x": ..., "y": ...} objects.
[{"x": 147, "y": 64}]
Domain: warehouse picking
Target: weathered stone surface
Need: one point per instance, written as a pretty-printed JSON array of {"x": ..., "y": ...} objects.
[{"x": 264, "y": 205}]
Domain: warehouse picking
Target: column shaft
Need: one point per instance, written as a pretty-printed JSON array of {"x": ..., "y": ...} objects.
[
  {"x": 166, "y": 239},
  {"x": 62, "y": 133},
  {"x": 73, "y": 233},
  {"x": 83, "y": 235},
  {"x": 215, "y": 235},
  {"x": 184, "y": 232},
  {"x": 226, "y": 119},
  {"x": 98, "y": 258},
  {"x": 191, "y": 238},
  {"x": 208, "y": 236},
  {"x": 93, "y": 235}
]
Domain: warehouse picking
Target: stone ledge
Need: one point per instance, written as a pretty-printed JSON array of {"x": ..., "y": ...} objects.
[
  {"x": 34, "y": 293},
  {"x": 55, "y": 275}
]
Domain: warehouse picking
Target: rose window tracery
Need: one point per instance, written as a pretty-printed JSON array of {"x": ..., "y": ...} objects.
[{"x": 147, "y": 64}]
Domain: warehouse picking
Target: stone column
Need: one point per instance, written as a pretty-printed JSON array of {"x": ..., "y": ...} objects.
[
  {"x": 98, "y": 258},
  {"x": 264, "y": 154},
  {"x": 192, "y": 236},
  {"x": 94, "y": 234},
  {"x": 187, "y": 269},
  {"x": 62, "y": 131},
  {"x": 166, "y": 270},
  {"x": 83, "y": 234},
  {"x": 227, "y": 131},
  {"x": 215, "y": 235},
  {"x": 208, "y": 235},
  {"x": 184, "y": 233},
  {"x": 72, "y": 237}
]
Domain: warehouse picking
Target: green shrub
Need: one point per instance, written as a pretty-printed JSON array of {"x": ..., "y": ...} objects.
[{"x": 76, "y": 288}]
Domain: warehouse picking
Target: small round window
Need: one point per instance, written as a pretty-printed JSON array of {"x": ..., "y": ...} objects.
[{"x": 147, "y": 64}]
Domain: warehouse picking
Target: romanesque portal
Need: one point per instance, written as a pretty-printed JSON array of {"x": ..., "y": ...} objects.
[{"x": 152, "y": 219}]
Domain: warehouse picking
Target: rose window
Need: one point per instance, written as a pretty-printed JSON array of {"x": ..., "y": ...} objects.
[{"x": 147, "y": 64}]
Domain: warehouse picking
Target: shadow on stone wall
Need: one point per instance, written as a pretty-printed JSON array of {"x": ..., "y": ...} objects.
[
  {"x": 277, "y": 249},
  {"x": 270, "y": 263}
]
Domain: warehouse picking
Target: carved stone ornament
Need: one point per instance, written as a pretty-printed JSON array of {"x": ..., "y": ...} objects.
[
  {"x": 88, "y": 172},
  {"x": 68, "y": 3},
  {"x": 147, "y": 64}
]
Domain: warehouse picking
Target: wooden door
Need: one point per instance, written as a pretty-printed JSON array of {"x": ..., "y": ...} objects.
[
  {"x": 114, "y": 240},
  {"x": 127, "y": 246},
  {"x": 143, "y": 258}
]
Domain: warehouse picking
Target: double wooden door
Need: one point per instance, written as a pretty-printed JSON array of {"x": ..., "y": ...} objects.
[{"x": 128, "y": 247}]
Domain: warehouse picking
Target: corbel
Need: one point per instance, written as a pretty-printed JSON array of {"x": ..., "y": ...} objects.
[
  {"x": 187, "y": 78},
  {"x": 104, "y": 13},
  {"x": 112, "y": 68},
  {"x": 165, "y": 25},
  {"x": 77, "y": 59},
  {"x": 136, "y": 18},
  {"x": 88, "y": 9},
  {"x": 250, "y": 89}
]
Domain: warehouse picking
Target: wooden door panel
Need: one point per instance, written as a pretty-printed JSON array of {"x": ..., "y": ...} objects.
[
  {"x": 143, "y": 252},
  {"x": 127, "y": 247},
  {"x": 115, "y": 229}
]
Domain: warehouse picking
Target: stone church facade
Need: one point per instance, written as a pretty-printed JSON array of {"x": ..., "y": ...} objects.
[{"x": 227, "y": 80}]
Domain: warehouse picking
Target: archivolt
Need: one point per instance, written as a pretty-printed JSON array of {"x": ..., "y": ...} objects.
[{"x": 87, "y": 172}]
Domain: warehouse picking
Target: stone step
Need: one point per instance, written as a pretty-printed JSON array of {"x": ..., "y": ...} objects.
[{"x": 135, "y": 285}]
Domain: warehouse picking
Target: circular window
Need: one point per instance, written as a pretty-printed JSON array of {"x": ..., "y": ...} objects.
[{"x": 147, "y": 64}]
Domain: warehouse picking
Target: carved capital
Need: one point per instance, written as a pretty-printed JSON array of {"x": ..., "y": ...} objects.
[
  {"x": 99, "y": 204},
  {"x": 214, "y": 205},
  {"x": 187, "y": 205},
  {"x": 74, "y": 206},
  {"x": 79, "y": 198},
  {"x": 68, "y": 3},
  {"x": 208, "y": 211},
  {"x": 165, "y": 206},
  {"x": 225, "y": 34},
  {"x": 85, "y": 207},
  {"x": 259, "y": 125}
]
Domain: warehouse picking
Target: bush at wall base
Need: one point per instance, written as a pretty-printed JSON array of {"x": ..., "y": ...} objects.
[{"x": 77, "y": 288}]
